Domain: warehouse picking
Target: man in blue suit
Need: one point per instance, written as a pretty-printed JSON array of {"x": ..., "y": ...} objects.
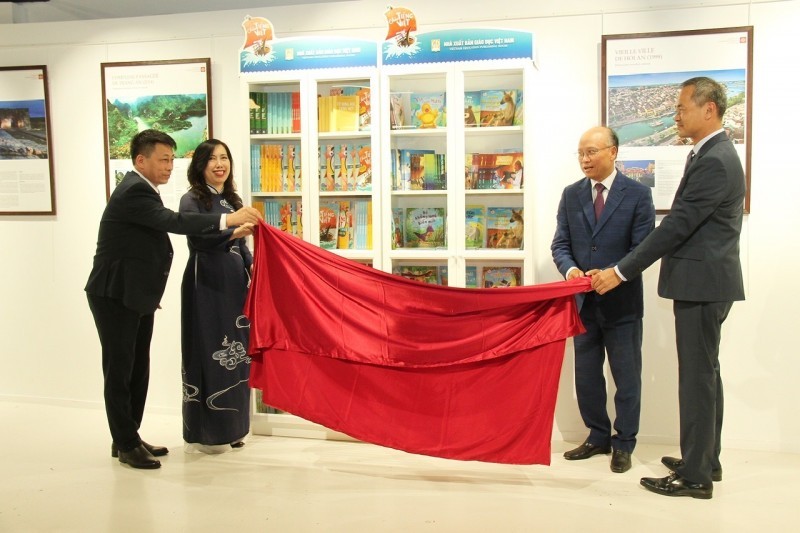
[
  {"x": 601, "y": 218},
  {"x": 698, "y": 244}
]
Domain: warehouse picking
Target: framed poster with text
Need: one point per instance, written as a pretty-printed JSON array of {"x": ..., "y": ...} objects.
[
  {"x": 27, "y": 186},
  {"x": 641, "y": 78},
  {"x": 170, "y": 96}
]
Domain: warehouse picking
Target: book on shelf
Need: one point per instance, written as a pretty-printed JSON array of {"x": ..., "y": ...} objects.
[
  {"x": 364, "y": 103},
  {"x": 475, "y": 226},
  {"x": 428, "y": 110},
  {"x": 398, "y": 239},
  {"x": 501, "y": 276},
  {"x": 424, "y": 227},
  {"x": 345, "y": 224},
  {"x": 274, "y": 112},
  {"x": 275, "y": 167},
  {"x": 328, "y": 218},
  {"x": 400, "y": 110},
  {"x": 417, "y": 170},
  {"x": 435, "y": 275},
  {"x": 362, "y": 167},
  {"x": 339, "y": 113},
  {"x": 345, "y": 167},
  {"x": 286, "y": 215},
  {"x": 471, "y": 281},
  {"x": 504, "y": 227},
  {"x": 502, "y": 170},
  {"x": 498, "y": 107},
  {"x": 472, "y": 108}
]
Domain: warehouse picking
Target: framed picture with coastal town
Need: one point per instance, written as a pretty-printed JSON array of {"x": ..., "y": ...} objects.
[
  {"x": 173, "y": 96},
  {"x": 26, "y": 157},
  {"x": 641, "y": 78}
]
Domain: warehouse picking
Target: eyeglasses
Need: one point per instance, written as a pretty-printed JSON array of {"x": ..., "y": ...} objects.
[{"x": 591, "y": 152}]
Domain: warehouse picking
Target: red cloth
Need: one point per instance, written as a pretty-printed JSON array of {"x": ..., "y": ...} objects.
[{"x": 466, "y": 374}]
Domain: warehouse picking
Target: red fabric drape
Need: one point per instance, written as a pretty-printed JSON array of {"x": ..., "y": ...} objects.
[{"x": 466, "y": 374}]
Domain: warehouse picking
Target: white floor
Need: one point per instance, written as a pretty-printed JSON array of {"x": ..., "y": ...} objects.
[{"x": 56, "y": 474}]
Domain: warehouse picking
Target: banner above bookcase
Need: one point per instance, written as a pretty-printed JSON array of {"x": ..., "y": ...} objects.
[
  {"x": 261, "y": 52},
  {"x": 465, "y": 44}
]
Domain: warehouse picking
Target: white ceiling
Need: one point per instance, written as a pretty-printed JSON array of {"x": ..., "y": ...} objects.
[{"x": 63, "y": 10}]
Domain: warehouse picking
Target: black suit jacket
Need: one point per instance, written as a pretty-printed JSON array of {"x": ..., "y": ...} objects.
[
  {"x": 699, "y": 240},
  {"x": 134, "y": 253}
]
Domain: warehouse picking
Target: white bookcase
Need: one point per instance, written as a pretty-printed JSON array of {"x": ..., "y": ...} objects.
[{"x": 456, "y": 140}]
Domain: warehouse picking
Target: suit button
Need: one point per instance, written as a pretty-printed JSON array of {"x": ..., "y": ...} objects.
[{"x": 594, "y": 248}]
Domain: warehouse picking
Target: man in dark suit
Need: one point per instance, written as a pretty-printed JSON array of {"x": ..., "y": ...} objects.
[
  {"x": 698, "y": 243},
  {"x": 127, "y": 281},
  {"x": 602, "y": 217}
]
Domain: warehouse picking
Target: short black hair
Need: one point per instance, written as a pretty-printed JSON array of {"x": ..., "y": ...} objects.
[
  {"x": 145, "y": 142},
  {"x": 708, "y": 90}
]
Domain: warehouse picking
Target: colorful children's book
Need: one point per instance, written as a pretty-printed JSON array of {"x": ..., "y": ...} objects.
[
  {"x": 363, "y": 167},
  {"x": 398, "y": 224},
  {"x": 498, "y": 107},
  {"x": 425, "y": 227},
  {"x": 328, "y": 213},
  {"x": 472, "y": 277},
  {"x": 499, "y": 277},
  {"x": 428, "y": 110},
  {"x": 472, "y": 108},
  {"x": 475, "y": 226},
  {"x": 424, "y": 274},
  {"x": 345, "y": 226},
  {"x": 504, "y": 227},
  {"x": 400, "y": 110}
]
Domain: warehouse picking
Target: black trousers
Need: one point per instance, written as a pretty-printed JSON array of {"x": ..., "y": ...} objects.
[
  {"x": 698, "y": 329},
  {"x": 125, "y": 339}
]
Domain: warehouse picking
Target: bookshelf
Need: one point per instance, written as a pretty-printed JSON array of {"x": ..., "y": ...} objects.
[
  {"x": 482, "y": 157},
  {"x": 322, "y": 157},
  {"x": 303, "y": 165}
]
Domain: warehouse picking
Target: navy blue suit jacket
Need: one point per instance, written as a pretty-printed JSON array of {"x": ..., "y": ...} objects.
[{"x": 628, "y": 217}]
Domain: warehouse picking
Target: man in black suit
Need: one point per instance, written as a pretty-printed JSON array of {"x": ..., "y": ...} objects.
[
  {"x": 698, "y": 243},
  {"x": 127, "y": 281},
  {"x": 584, "y": 241}
]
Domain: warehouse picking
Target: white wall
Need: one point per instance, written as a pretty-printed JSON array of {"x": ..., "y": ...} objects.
[{"x": 50, "y": 351}]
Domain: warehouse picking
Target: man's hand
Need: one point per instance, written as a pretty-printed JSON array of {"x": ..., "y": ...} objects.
[
  {"x": 242, "y": 231},
  {"x": 244, "y": 215},
  {"x": 604, "y": 280},
  {"x": 574, "y": 273}
]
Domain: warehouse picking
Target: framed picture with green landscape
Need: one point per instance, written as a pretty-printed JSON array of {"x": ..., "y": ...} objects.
[
  {"x": 641, "y": 78},
  {"x": 172, "y": 96},
  {"x": 26, "y": 155}
]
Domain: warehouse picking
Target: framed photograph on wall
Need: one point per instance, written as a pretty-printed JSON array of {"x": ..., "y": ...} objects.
[
  {"x": 27, "y": 185},
  {"x": 641, "y": 77},
  {"x": 171, "y": 96}
]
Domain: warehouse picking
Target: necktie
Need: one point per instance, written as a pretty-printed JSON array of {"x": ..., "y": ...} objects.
[
  {"x": 599, "y": 202},
  {"x": 689, "y": 160}
]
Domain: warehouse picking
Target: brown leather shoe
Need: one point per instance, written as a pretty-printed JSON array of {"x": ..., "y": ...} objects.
[
  {"x": 586, "y": 450},
  {"x": 155, "y": 451},
  {"x": 673, "y": 463},
  {"x": 675, "y": 485},
  {"x": 139, "y": 457},
  {"x": 620, "y": 461}
]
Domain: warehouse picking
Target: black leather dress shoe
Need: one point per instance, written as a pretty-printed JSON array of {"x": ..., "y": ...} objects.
[
  {"x": 673, "y": 463},
  {"x": 675, "y": 485},
  {"x": 237, "y": 444},
  {"x": 139, "y": 457},
  {"x": 155, "y": 451},
  {"x": 620, "y": 461},
  {"x": 585, "y": 450}
]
